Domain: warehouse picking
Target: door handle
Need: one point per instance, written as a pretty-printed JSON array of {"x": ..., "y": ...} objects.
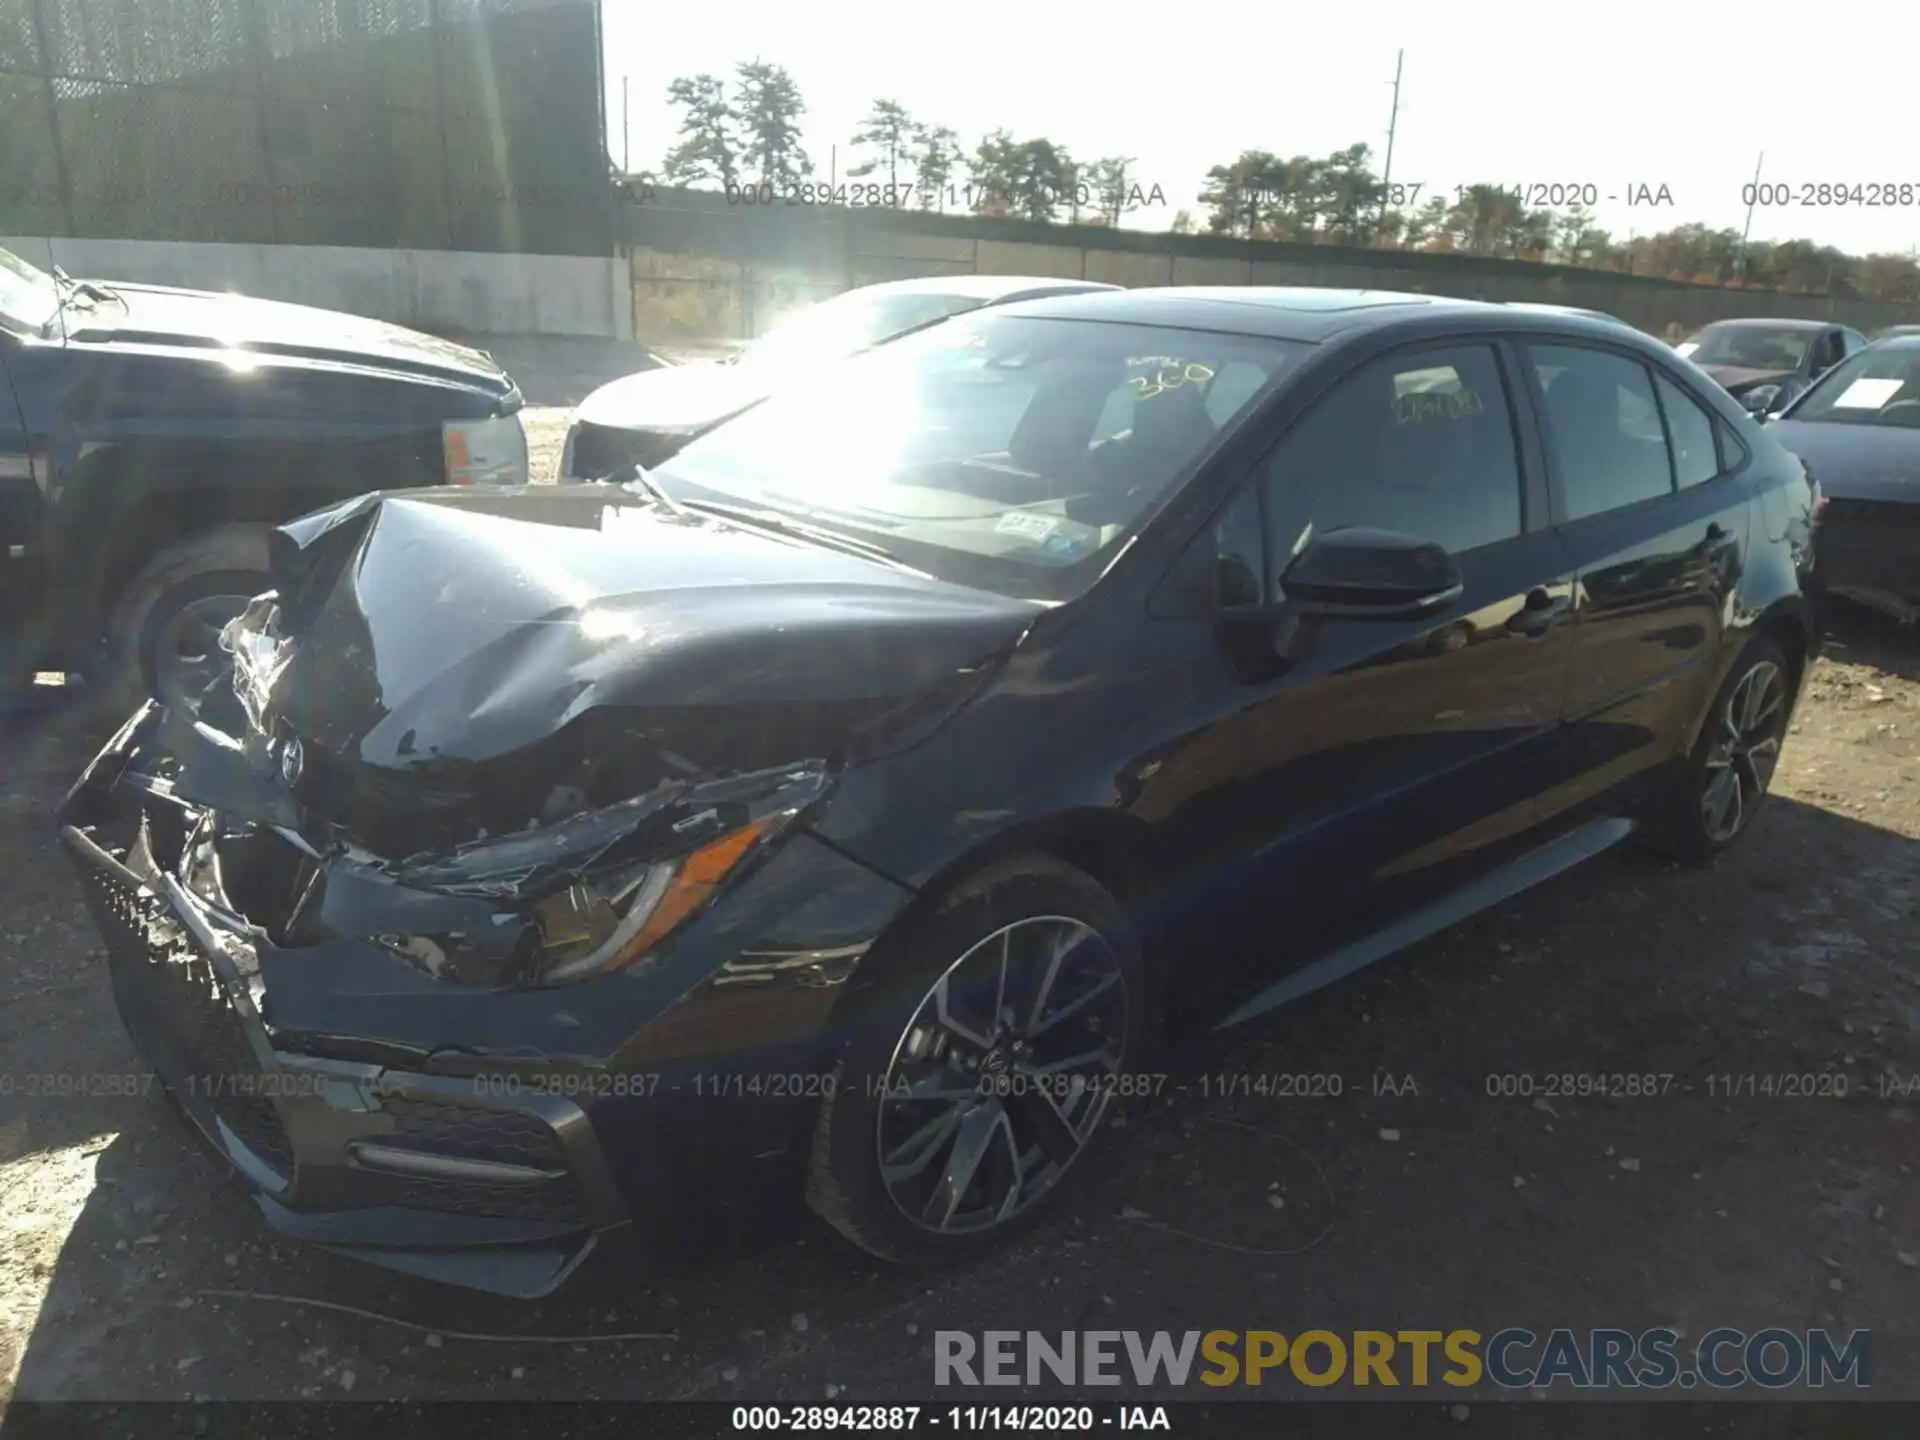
[{"x": 1536, "y": 617}]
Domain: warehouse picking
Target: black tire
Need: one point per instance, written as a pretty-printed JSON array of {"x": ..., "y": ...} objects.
[
  {"x": 185, "y": 580},
  {"x": 1762, "y": 679},
  {"x": 1038, "y": 902}
]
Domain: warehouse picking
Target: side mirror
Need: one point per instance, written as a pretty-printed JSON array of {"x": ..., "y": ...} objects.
[
  {"x": 1764, "y": 400},
  {"x": 1236, "y": 585},
  {"x": 1370, "y": 574}
]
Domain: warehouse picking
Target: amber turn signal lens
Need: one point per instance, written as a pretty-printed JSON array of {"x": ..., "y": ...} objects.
[{"x": 700, "y": 875}]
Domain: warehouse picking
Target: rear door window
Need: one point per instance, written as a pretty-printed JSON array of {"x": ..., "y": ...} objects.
[{"x": 1603, "y": 428}]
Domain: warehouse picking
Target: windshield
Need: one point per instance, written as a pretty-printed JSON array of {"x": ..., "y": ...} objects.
[
  {"x": 1012, "y": 454},
  {"x": 847, "y": 323},
  {"x": 1880, "y": 386},
  {"x": 28, "y": 297},
  {"x": 1749, "y": 347}
]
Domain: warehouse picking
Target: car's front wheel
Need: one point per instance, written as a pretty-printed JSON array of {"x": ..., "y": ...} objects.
[
  {"x": 1725, "y": 779},
  {"x": 163, "y": 634},
  {"x": 983, "y": 1067}
]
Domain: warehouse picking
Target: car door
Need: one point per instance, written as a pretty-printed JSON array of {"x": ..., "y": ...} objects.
[
  {"x": 1827, "y": 350},
  {"x": 1654, "y": 522},
  {"x": 1361, "y": 766}
]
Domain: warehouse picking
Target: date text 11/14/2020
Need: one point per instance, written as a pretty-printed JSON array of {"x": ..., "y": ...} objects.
[
  {"x": 971, "y": 196},
  {"x": 991, "y": 1419},
  {"x": 801, "y": 1085},
  {"x": 1533, "y": 195}
]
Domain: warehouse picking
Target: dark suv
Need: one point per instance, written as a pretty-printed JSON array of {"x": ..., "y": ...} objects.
[
  {"x": 150, "y": 438},
  {"x": 848, "y": 807}
]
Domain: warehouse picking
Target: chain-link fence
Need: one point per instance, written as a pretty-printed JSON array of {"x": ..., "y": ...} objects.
[{"x": 428, "y": 124}]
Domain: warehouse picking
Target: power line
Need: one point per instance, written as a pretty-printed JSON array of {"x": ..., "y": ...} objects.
[
  {"x": 1740, "y": 260},
  {"x": 1393, "y": 125}
]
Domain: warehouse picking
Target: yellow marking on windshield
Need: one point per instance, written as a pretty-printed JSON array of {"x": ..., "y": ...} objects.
[
  {"x": 1171, "y": 375},
  {"x": 1424, "y": 405}
]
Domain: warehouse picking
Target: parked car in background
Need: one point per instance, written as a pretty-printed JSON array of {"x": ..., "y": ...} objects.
[
  {"x": 643, "y": 419},
  {"x": 613, "y": 861},
  {"x": 151, "y": 437},
  {"x": 1895, "y": 332},
  {"x": 1858, "y": 430},
  {"x": 1765, "y": 364}
]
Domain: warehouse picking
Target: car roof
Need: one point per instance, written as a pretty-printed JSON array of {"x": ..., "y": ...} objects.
[
  {"x": 1287, "y": 312},
  {"x": 1748, "y": 322},
  {"x": 1546, "y": 309},
  {"x": 986, "y": 288}
]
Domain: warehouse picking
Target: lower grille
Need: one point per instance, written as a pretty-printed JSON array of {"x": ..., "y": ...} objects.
[
  {"x": 556, "y": 1201},
  {"x": 469, "y": 1132},
  {"x": 509, "y": 1137},
  {"x": 170, "y": 997}
]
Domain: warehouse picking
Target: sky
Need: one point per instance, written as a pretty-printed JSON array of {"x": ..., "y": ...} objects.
[{"x": 1684, "y": 94}]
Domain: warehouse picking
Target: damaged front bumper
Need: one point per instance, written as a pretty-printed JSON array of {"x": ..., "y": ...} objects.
[
  {"x": 424, "y": 1173},
  {"x": 444, "y": 1129}
]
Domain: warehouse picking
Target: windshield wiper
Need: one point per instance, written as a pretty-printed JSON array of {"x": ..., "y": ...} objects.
[
  {"x": 654, "y": 490},
  {"x": 86, "y": 289},
  {"x": 784, "y": 524}
]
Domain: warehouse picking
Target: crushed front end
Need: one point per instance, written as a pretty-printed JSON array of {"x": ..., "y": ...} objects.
[
  {"x": 414, "y": 1063},
  {"x": 429, "y": 1172},
  {"x": 480, "y": 912}
]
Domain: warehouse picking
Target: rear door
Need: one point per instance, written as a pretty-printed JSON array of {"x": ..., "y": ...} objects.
[{"x": 1654, "y": 522}]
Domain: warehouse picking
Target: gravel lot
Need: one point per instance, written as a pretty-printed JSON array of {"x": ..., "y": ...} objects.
[{"x": 130, "y": 1268}]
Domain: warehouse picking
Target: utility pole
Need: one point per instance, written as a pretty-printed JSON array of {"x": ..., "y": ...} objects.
[
  {"x": 626, "y": 131},
  {"x": 1393, "y": 124},
  {"x": 1740, "y": 260}
]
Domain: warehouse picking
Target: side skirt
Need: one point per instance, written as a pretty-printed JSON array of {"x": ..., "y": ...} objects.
[{"x": 1522, "y": 874}]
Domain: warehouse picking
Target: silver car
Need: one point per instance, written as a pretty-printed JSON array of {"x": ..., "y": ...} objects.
[{"x": 645, "y": 418}]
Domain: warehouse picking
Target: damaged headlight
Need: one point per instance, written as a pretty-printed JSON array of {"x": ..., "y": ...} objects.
[
  {"x": 606, "y": 923},
  {"x": 603, "y": 889}
]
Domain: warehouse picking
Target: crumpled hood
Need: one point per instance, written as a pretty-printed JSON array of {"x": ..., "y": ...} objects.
[
  {"x": 1856, "y": 462},
  {"x": 164, "y": 315},
  {"x": 516, "y": 642},
  {"x": 1735, "y": 378},
  {"x": 677, "y": 397}
]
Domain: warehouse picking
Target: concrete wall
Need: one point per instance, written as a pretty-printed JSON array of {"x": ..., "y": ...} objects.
[
  {"x": 704, "y": 269},
  {"x": 425, "y": 289}
]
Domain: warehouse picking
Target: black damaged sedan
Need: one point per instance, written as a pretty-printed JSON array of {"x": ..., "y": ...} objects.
[{"x": 848, "y": 810}]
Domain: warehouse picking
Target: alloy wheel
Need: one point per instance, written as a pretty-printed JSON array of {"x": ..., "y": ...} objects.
[
  {"x": 1003, "y": 1075},
  {"x": 187, "y": 655},
  {"x": 1745, "y": 749}
]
